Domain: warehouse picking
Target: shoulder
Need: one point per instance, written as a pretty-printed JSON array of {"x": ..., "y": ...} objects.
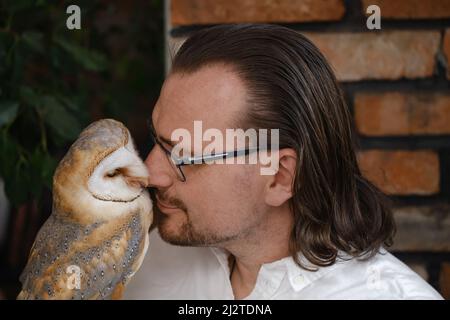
[
  {"x": 382, "y": 276},
  {"x": 400, "y": 280}
]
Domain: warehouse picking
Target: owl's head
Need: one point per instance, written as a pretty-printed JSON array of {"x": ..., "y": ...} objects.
[{"x": 102, "y": 173}]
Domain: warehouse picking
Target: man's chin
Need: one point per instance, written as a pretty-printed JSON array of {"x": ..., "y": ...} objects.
[
  {"x": 180, "y": 235},
  {"x": 173, "y": 234},
  {"x": 178, "y": 230}
]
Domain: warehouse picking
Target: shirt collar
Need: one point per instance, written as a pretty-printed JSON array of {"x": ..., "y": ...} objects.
[
  {"x": 271, "y": 274},
  {"x": 222, "y": 257},
  {"x": 299, "y": 277}
]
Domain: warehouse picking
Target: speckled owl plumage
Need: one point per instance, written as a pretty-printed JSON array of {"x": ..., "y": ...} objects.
[{"x": 105, "y": 238}]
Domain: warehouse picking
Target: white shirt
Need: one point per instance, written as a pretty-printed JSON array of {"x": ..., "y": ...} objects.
[{"x": 173, "y": 272}]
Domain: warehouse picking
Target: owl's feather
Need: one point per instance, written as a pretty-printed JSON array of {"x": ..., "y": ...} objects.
[
  {"x": 105, "y": 239},
  {"x": 107, "y": 254}
]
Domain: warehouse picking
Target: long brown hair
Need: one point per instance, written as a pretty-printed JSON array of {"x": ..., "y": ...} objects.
[{"x": 293, "y": 89}]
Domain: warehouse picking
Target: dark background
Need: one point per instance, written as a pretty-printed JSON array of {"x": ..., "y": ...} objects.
[{"x": 55, "y": 81}]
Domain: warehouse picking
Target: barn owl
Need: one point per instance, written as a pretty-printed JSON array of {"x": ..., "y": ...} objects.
[{"x": 97, "y": 235}]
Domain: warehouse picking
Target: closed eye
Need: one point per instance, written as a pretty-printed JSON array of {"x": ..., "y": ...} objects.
[{"x": 113, "y": 173}]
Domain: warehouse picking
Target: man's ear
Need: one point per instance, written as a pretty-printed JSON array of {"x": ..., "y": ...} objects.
[{"x": 279, "y": 186}]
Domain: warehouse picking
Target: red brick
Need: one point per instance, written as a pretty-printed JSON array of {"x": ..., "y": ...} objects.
[
  {"x": 390, "y": 55},
  {"x": 191, "y": 12},
  {"x": 411, "y": 9},
  {"x": 396, "y": 113},
  {"x": 361, "y": 56},
  {"x": 444, "y": 280},
  {"x": 422, "y": 228},
  {"x": 401, "y": 172},
  {"x": 446, "y": 48}
]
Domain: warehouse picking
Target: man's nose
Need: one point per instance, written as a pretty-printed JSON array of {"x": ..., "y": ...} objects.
[{"x": 159, "y": 172}]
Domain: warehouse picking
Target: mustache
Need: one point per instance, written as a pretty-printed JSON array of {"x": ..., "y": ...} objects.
[{"x": 156, "y": 194}]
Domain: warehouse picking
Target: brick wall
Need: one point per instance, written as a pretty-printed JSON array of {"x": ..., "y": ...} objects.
[{"x": 396, "y": 81}]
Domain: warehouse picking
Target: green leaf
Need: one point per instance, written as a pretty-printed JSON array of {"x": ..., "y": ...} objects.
[
  {"x": 9, "y": 154},
  {"x": 33, "y": 174},
  {"x": 69, "y": 103},
  {"x": 8, "y": 112},
  {"x": 29, "y": 96},
  {"x": 6, "y": 41},
  {"x": 34, "y": 40},
  {"x": 17, "y": 185},
  {"x": 13, "y": 170},
  {"x": 89, "y": 59},
  {"x": 16, "y": 61},
  {"x": 48, "y": 169},
  {"x": 19, "y": 5},
  {"x": 41, "y": 169},
  {"x": 59, "y": 119},
  {"x": 41, "y": 3}
]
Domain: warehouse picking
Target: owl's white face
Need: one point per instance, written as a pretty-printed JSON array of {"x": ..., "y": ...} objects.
[{"x": 119, "y": 177}]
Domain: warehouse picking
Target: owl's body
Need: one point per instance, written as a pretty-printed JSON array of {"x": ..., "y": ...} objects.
[{"x": 97, "y": 235}]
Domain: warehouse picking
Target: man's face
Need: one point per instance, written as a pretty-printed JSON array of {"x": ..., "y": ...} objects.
[{"x": 217, "y": 203}]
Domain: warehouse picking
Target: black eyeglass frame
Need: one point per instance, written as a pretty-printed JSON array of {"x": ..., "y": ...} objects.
[{"x": 203, "y": 159}]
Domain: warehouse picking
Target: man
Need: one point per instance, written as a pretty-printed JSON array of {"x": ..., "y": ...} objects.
[{"x": 313, "y": 229}]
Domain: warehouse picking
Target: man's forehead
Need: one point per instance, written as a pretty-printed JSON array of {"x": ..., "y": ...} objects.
[{"x": 214, "y": 95}]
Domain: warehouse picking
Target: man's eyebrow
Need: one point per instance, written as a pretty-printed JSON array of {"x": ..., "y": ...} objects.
[{"x": 163, "y": 139}]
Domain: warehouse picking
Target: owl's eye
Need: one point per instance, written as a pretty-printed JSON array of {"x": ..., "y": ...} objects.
[{"x": 113, "y": 173}]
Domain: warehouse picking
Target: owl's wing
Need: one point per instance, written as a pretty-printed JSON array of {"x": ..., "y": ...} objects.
[
  {"x": 70, "y": 261},
  {"x": 44, "y": 273}
]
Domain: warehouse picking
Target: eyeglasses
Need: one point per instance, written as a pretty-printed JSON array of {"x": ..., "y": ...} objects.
[{"x": 177, "y": 162}]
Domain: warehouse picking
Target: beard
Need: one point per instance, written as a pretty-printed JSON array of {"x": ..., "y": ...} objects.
[{"x": 185, "y": 234}]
